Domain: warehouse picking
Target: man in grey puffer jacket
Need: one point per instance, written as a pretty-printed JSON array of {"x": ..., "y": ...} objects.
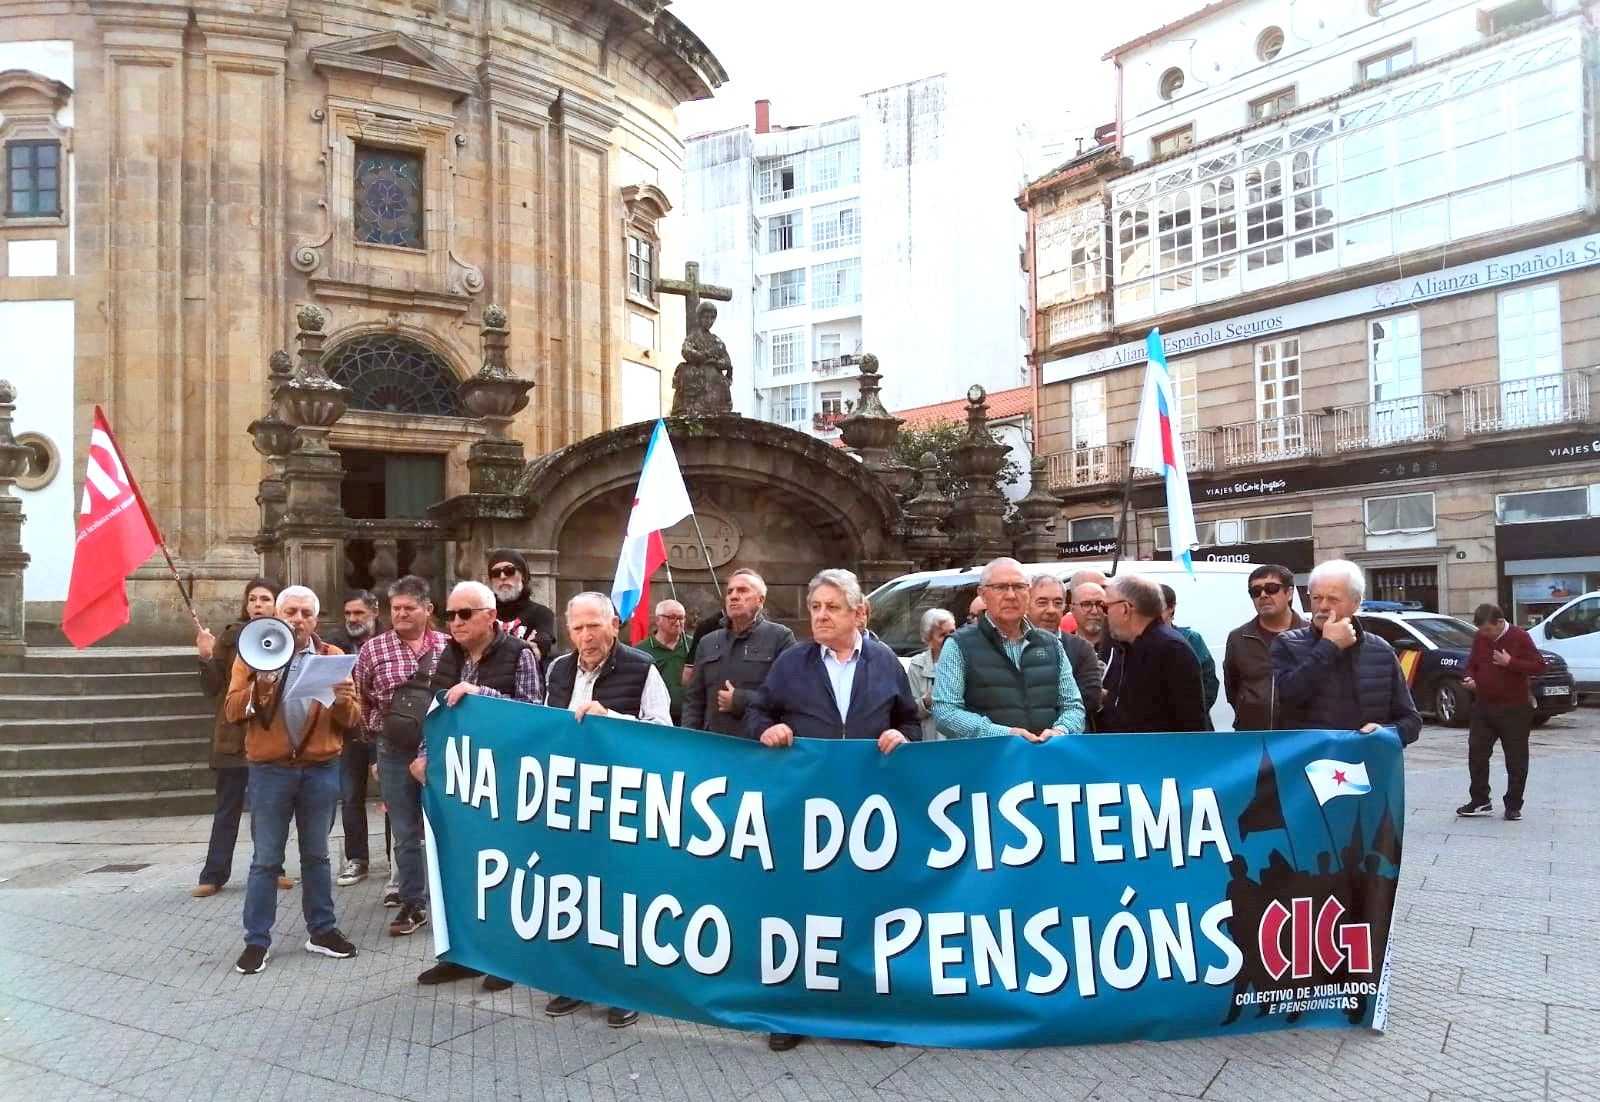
[
  {"x": 731, "y": 662},
  {"x": 1331, "y": 675}
]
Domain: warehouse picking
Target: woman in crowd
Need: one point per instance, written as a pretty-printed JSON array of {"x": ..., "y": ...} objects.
[
  {"x": 937, "y": 626},
  {"x": 227, "y": 739}
]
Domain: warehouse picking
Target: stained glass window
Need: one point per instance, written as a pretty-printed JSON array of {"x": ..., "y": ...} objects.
[
  {"x": 388, "y": 197},
  {"x": 393, "y": 374}
]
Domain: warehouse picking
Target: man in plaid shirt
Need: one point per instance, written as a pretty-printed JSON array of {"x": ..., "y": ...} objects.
[{"x": 382, "y": 666}]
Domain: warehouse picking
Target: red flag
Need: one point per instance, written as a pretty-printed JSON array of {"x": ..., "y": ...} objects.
[{"x": 115, "y": 536}]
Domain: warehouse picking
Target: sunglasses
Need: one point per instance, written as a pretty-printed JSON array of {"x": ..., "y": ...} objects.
[
  {"x": 462, "y": 613},
  {"x": 1268, "y": 589},
  {"x": 504, "y": 572}
]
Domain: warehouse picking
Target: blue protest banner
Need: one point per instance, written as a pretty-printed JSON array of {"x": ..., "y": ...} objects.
[{"x": 977, "y": 893}]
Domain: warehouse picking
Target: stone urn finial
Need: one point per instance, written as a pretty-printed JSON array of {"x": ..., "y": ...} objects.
[
  {"x": 1039, "y": 508},
  {"x": 271, "y": 434},
  {"x": 14, "y": 457},
  {"x": 309, "y": 401},
  {"x": 872, "y": 431},
  {"x": 494, "y": 393}
]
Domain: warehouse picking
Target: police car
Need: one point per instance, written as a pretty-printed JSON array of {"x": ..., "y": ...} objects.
[{"x": 1433, "y": 651}]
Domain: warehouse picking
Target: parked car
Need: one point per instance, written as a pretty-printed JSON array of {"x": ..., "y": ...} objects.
[
  {"x": 1443, "y": 644},
  {"x": 1213, "y": 601},
  {"x": 1573, "y": 632}
]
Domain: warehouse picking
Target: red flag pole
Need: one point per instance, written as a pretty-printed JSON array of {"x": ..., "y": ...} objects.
[{"x": 150, "y": 520}]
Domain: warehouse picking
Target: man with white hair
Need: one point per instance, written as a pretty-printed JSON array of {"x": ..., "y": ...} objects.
[
  {"x": 1002, "y": 675},
  {"x": 481, "y": 659},
  {"x": 1157, "y": 687},
  {"x": 603, "y": 677},
  {"x": 668, "y": 647},
  {"x": 1332, "y": 675},
  {"x": 731, "y": 662},
  {"x": 293, "y": 748}
]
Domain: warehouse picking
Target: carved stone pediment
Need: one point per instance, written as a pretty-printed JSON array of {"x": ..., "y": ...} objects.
[{"x": 396, "y": 57}]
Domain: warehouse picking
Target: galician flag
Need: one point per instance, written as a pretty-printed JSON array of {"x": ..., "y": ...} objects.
[
  {"x": 661, "y": 501},
  {"x": 1331, "y": 779},
  {"x": 1156, "y": 448}
]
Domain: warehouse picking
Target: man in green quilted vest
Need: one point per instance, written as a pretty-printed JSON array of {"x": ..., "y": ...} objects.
[{"x": 1002, "y": 676}]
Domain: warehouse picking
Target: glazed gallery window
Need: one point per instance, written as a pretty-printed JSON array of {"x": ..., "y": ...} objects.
[
  {"x": 33, "y": 179},
  {"x": 641, "y": 267},
  {"x": 785, "y": 349},
  {"x": 783, "y": 231},
  {"x": 388, "y": 198},
  {"x": 836, "y": 284},
  {"x": 786, "y": 289},
  {"x": 791, "y": 405},
  {"x": 835, "y": 225}
]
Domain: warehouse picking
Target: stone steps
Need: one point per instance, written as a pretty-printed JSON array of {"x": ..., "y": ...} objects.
[{"x": 103, "y": 733}]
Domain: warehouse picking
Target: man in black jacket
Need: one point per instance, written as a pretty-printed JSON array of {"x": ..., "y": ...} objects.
[
  {"x": 515, "y": 608},
  {"x": 1333, "y": 676},
  {"x": 731, "y": 662},
  {"x": 1047, "y": 608},
  {"x": 1159, "y": 688}
]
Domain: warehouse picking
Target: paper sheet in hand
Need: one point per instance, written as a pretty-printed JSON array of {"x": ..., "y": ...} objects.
[{"x": 315, "y": 675}]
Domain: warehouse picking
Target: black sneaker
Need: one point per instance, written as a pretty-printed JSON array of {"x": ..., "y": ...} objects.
[
  {"x": 330, "y": 943},
  {"x": 391, "y": 894},
  {"x": 445, "y": 972},
  {"x": 251, "y": 961},
  {"x": 1471, "y": 809},
  {"x": 408, "y": 921},
  {"x": 1513, "y": 814},
  {"x": 560, "y": 1006}
]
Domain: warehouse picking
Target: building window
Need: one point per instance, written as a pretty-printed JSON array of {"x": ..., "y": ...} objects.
[
  {"x": 1530, "y": 332},
  {"x": 1275, "y": 529},
  {"x": 783, "y": 231},
  {"x": 834, "y": 166},
  {"x": 641, "y": 267},
  {"x": 1174, "y": 231},
  {"x": 832, "y": 403},
  {"x": 1171, "y": 83},
  {"x": 1278, "y": 395},
  {"x": 389, "y": 193},
  {"x": 786, "y": 348},
  {"x": 1092, "y": 528},
  {"x": 1269, "y": 44},
  {"x": 1263, "y": 214},
  {"x": 786, "y": 289},
  {"x": 33, "y": 179},
  {"x": 1514, "y": 14},
  {"x": 1391, "y": 61},
  {"x": 1538, "y": 505},
  {"x": 835, "y": 284},
  {"x": 393, "y": 374},
  {"x": 791, "y": 405},
  {"x": 1173, "y": 141},
  {"x": 835, "y": 226},
  {"x": 1219, "y": 229},
  {"x": 1400, "y": 513},
  {"x": 778, "y": 178},
  {"x": 1183, "y": 390},
  {"x": 1419, "y": 584},
  {"x": 1089, "y": 413},
  {"x": 1085, "y": 276},
  {"x": 1272, "y": 105}
]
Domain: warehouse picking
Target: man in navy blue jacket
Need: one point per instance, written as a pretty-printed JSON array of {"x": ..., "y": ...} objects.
[{"x": 846, "y": 684}]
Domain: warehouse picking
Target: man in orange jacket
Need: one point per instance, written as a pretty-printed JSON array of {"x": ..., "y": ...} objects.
[{"x": 292, "y": 747}]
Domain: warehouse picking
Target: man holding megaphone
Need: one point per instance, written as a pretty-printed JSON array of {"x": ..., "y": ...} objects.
[{"x": 292, "y": 744}]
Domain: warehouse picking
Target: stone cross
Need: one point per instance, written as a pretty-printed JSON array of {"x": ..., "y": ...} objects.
[{"x": 693, "y": 291}]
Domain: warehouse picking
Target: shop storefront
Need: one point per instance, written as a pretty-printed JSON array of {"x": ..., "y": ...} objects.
[{"x": 1545, "y": 564}]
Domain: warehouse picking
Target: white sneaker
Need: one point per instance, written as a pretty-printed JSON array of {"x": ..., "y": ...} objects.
[{"x": 354, "y": 872}]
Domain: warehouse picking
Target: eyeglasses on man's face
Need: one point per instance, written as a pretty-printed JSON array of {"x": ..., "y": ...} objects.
[
  {"x": 462, "y": 613},
  {"x": 1006, "y": 587},
  {"x": 504, "y": 572},
  {"x": 1267, "y": 589},
  {"x": 673, "y": 616},
  {"x": 1090, "y": 606},
  {"x": 1118, "y": 601}
]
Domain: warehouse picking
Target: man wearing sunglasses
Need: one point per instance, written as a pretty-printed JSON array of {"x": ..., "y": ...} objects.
[
  {"x": 1247, "y": 660},
  {"x": 515, "y": 607}
]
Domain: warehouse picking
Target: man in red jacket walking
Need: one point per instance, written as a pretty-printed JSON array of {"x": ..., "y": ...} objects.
[{"x": 1502, "y": 662}]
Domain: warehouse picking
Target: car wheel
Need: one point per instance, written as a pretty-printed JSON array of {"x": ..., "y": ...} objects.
[{"x": 1451, "y": 702}]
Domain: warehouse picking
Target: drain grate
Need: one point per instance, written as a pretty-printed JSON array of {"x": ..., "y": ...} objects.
[{"x": 121, "y": 868}]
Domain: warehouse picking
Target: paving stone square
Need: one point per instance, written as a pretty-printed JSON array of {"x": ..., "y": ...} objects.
[{"x": 119, "y": 985}]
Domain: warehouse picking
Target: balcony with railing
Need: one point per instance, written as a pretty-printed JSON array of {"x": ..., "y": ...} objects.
[
  {"x": 1512, "y": 404},
  {"x": 1199, "y": 453},
  {"x": 832, "y": 365},
  {"x": 1098, "y": 465},
  {"x": 827, "y": 422},
  {"x": 1389, "y": 422},
  {"x": 1271, "y": 440},
  {"x": 1080, "y": 318}
]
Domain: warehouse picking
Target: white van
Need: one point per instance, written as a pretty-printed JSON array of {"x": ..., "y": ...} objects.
[
  {"x": 1573, "y": 632},
  {"x": 1213, "y": 601}
]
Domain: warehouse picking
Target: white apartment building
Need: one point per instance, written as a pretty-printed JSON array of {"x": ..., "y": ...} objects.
[
  {"x": 893, "y": 232},
  {"x": 1366, "y": 231}
]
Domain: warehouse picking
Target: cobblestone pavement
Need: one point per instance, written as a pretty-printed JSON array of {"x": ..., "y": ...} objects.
[{"x": 115, "y": 984}]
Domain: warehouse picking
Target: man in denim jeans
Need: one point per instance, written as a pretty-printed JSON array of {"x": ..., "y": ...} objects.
[
  {"x": 293, "y": 749},
  {"x": 382, "y": 666}
]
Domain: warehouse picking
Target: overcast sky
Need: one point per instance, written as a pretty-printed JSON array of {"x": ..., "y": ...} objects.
[{"x": 813, "y": 59}]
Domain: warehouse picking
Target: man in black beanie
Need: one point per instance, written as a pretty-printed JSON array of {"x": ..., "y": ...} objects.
[{"x": 515, "y": 607}]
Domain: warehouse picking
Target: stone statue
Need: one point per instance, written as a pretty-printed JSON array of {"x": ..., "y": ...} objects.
[{"x": 703, "y": 382}]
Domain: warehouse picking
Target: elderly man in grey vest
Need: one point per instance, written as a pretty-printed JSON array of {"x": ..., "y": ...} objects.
[{"x": 1003, "y": 676}]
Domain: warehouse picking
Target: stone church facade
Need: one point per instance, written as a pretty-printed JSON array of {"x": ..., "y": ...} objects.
[{"x": 183, "y": 178}]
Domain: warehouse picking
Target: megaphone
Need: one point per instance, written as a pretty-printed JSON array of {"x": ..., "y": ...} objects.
[{"x": 266, "y": 644}]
